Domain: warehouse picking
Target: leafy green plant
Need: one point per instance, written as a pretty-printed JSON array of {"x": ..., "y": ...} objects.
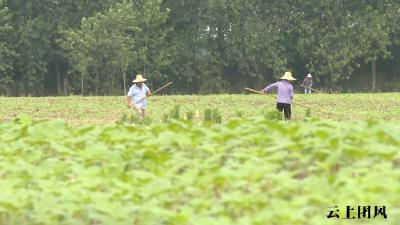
[
  {"x": 216, "y": 116},
  {"x": 307, "y": 115},
  {"x": 107, "y": 110},
  {"x": 190, "y": 115},
  {"x": 165, "y": 117},
  {"x": 273, "y": 115},
  {"x": 124, "y": 119},
  {"x": 58, "y": 174},
  {"x": 175, "y": 112},
  {"x": 239, "y": 113},
  {"x": 134, "y": 118},
  {"x": 212, "y": 115},
  {"x": 208, "y": 115},
  {"x": 158, "y": 161}
]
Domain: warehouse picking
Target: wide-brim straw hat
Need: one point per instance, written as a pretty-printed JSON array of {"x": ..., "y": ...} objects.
[
  {"x": 288, "y": 76},
  {"x": 309, "y": 75},
  {"x": 139, "y": 78}
]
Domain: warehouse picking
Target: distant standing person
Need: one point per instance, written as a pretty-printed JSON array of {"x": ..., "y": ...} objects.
[
  {"x": 137, "y": 95},
  {"x": 284, "y": 90},
  {"x": 307, "y": 84}
]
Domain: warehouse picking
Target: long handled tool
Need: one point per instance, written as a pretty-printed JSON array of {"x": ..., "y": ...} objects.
[
  {"x": 312, "y": 89},
  {"x": 152, "y": 93},
  {"x": 252, "y": 90},
  {"x": 162, "y": 87},
  {"x": 156, "y": 91},
  {"x": 295, "y": 103}
]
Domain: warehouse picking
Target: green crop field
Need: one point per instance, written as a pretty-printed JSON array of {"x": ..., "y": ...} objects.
[
  {"x": 108, "y": 110},
  {"x": 246, "y": 171},
  {"x": 249, "y": 169},
  {"x": 79, "y": 155}
]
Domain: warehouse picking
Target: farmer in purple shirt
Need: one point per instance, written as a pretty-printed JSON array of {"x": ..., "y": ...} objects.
[{"x": 284, "y": 90}]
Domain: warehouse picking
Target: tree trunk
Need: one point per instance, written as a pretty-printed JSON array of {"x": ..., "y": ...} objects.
[
  {"x": 330, "y": 81},
  {"x": 97, "y": 83},
  {"x": 82, "y": 85},
  {"x": 58, "y": 78},
  {"x": 112, "y": 87},
  {"x": 194, "y": 87},
  {"x": 65, "y": 84},
  {"x": 112, "y": 83},
  {"x": 221, "y": 41},
  {"x": 373, "y": 70},
  {"x": 124, "y": 78}
]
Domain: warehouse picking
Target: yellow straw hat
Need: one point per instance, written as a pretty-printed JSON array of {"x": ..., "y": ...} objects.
[
  {"x": 139, "y": 78},
  {"x": 288, "y": 76}
]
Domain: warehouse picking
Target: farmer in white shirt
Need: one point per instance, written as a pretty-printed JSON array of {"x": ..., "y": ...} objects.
[
  {"x": 307, "y": 84},
  {"x": 137, "y": 95}
]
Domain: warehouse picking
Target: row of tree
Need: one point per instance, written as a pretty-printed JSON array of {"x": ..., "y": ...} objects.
[{"x": 63, "y": 47}]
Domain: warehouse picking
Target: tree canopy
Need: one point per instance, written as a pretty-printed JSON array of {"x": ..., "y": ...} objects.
[{"x": 64, "y": 47}]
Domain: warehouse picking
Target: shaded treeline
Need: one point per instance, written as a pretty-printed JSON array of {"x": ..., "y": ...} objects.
[{"x": 63, "y": 47}]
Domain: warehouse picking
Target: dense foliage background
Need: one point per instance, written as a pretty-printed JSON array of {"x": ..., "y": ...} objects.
[{"x": 63, "y": 47}]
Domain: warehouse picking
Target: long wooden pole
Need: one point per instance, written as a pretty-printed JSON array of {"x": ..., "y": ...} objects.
[
  {"x": 162, "y": 87},
  {"x": 295, "y": 103},
  {"x": 156, "y": 91},
  {"x": 252, "y": 90}
]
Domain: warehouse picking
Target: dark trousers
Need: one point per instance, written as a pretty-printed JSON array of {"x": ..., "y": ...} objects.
[{"x": 286, "y": 109}]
